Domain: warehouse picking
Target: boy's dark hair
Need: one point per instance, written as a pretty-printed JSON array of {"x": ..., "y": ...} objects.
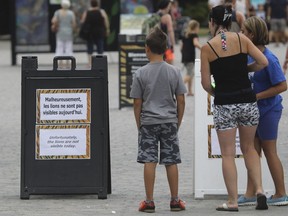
[
  {"x": 94, "y": 3},
  {"x": 156, "y": 40},
  {"x": 221, "y": 15}
]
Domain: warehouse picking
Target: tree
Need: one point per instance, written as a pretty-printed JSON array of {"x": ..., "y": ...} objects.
[{"x": 195, "y": 9}]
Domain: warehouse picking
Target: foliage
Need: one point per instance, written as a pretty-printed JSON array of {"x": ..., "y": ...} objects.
[
  {"x": 115, "y": 10},
  {"x": 198, "y": 11}
]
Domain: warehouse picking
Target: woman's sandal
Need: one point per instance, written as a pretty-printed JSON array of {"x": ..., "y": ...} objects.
[
  {"x": 261, "y": 202},
  {"x": 225, "y": 207}
]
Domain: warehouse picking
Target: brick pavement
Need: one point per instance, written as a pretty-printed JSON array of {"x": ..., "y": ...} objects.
[{"x": 127, "y": 182}]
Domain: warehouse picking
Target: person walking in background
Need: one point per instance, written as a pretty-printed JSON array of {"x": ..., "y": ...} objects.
[
  {"x": 225, "y": 58},
  {"x": 159, "y": 102},
  {"x": 167, "y": 27},
  {"x": 243, "y": 7},
  {"x": 176, "y": 15},
  {"x": 261, "y": 12},
  {"x": 278, "y": 16},
  {"x": 189, "y": 43},
  {"x": 267, "y": 84},
  {"x": 98, "y": 22},
  {"x": 64, "y": 20},
  {"x": 237, "y": 17}
]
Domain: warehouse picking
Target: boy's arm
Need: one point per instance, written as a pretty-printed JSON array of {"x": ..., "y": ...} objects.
[
  {"x": 180, "y": 108},
  {"x": 285, "y": 62},
  {"x": 137, "y": 110},
  {"x": 272, "y": 91}
]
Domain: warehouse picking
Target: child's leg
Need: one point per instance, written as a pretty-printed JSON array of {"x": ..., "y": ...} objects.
[
  {"x": 172, "y": 176},
  {"x": 149, "y": 179},
  {"x": 189, "y": 82},
  {"x": 189, "y": 76}
]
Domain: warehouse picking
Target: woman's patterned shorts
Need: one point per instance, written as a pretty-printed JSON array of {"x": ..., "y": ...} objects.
[{"x": 233, "y": 115}]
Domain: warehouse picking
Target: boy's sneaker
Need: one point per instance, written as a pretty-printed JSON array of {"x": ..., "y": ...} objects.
[
  {"x": 177, "y": 205},
  {"x": 244, "y": 201},
  {"x": 282, "y": 201},
  {"x": 148, "y": 207}
]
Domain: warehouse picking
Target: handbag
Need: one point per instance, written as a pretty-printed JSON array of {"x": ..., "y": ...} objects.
[
  {"x": 85, "y": 31},
  {"x": 54, "y": 27}
]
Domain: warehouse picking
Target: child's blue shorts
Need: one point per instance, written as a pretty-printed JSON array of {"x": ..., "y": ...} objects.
[{"x": 268, "y": 125}]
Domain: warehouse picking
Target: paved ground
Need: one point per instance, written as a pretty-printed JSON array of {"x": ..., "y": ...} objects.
[{"x": 127, "y": 183}]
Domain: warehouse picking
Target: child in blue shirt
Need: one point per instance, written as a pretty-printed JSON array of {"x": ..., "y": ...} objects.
[{"x": 267, "y": 84}]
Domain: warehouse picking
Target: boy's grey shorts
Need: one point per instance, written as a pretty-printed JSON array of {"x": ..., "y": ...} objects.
[{"x": 148, "y": 144}]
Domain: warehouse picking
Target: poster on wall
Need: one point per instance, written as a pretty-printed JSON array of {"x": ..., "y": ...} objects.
[
  {"x": 255, "y": 3},
  {"x": 133, "y": 13},
  {"x": 132, "y": 57},
  {"x": 55, "y": 1},
  {"x": 32, "y": 22},
  {"x": 136, "y": 6},
  {"x": 62, "y": 142},
  {"x": 210, "y": 102},
  {"x": 214, "y": 147},
  {"x": 63, "y": 106}
]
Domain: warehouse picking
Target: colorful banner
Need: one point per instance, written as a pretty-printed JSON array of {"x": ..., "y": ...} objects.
[
  {"x": 136, "y": 6},
  {"x": 32, "y": 21},
  {"x": 133, "y": 14}
]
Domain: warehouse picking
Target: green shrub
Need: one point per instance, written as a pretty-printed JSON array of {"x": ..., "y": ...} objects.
[{"x": 198, "y": 11}]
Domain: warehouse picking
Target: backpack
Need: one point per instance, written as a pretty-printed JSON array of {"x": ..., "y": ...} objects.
[
  {"x": 181, "y": 26},
  {"x": 150, "y": 23}
]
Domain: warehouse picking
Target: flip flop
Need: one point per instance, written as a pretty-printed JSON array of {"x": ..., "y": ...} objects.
[
  {"x": 261, "y": 202},
  {"x": 225, "y": 207}
]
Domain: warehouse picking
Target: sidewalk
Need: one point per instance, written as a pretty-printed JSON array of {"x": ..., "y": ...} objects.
[{"x": 127, "y": 175}]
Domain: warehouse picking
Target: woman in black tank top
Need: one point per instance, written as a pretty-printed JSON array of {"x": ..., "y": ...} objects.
[
  {"x": 225, "y": 58},
  {"x": 166, "y": 25},
  {"x": 98, "y": 23}
]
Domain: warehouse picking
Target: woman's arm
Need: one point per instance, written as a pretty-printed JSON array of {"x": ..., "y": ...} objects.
[
  {"x": 54, "y": 19},
  {"x": 240, "y": 18},
  {"x": 205, "y": 71},
  {"x": 168, "y": 21},
  {"x": 106, "y": 21},
  {"x": 74, "y": 24},
  {"x": 260, "y": 59},
  {"x": 83, "y": 17}
]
